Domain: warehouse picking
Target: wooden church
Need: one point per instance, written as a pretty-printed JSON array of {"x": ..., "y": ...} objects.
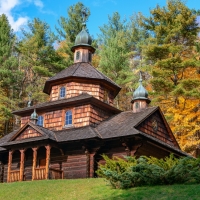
[{"x": 65, "y": 137}]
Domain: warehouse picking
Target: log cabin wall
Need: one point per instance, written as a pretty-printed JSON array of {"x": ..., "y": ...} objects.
[
  {"x": 28, "y": 133},
  {"x": 15, "y": 160},
  {"x": 73, "y": 163},
  {"x": 5, "y": 172},
  {"x": 149, "y": 149},
  {"x": 28, "y": 164},
  {"x": 160, "y": 132}
]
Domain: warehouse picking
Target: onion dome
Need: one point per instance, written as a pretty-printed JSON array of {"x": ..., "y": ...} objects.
[
  {"x": 140, "y": 93},
  {"x": 34, "y": 115},
  {"x": 83, "y": 38}
]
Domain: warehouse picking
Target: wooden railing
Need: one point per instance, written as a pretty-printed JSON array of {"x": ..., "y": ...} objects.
[
  {"x": 40, "y": 173},
  {"x": 14, "y": 175},
  {"x": 56, "y": 173}
]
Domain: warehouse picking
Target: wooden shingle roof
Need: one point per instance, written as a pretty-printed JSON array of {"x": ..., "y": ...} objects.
[
  {"x": 120, "y": 125},
  {"x": 80, "y": 99},
  {"x": 81, "y": 70}
]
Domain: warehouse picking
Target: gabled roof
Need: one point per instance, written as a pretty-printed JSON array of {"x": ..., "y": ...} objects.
[
  {"x": 86, "y": 132},
  {"x": 124, "y": 123},
  {"x": 81, "y": 70},
  {"x": 82, "y": 98},
  {"x": 120, "y": 125},
  {"x": 44, "y": 134}
]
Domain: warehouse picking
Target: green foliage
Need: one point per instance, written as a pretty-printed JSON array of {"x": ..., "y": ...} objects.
[
  {"x": 10, "y": 75},
  {"x": 38, "y": 59},
  {"x": 173, "y": 30},
  {"x": 133, "y": 172},
  {"x": 115, "y": 53}
]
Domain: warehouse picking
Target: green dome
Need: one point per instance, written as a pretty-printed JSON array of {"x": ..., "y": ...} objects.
[
  {"x": 140, "y": 92},
  {"x": 83, "y": 38},
  {"x": 34, "y": 115}
]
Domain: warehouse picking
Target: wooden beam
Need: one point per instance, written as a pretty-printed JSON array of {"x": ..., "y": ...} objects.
[
  {"x": 48, "y": 152},
  {"x": 21, "y": 172},
  {"x": 91, "y": 174},
  {"x": 34, "y": 162},
  {"x": 9, "y": 164}
]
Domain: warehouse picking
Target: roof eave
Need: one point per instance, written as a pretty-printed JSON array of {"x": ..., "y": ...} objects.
[{"x": 49, "y": 83}]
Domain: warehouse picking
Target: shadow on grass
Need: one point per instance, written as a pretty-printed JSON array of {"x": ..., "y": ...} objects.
[{"x": 169, "y": 192}]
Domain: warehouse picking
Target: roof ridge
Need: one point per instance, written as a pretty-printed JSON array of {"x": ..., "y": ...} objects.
[
  {"x": 78, "y": 65},
  {"x": 104, "y": 75}
]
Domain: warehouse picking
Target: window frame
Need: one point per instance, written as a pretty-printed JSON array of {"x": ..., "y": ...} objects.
[
  {"x": 40, "y": 120},
  {"x": 90, "y": 57},
  {"x": 78, "y": 55},
  {"x": 65, "y": 117},
  {"x": 60, "y": 92}
]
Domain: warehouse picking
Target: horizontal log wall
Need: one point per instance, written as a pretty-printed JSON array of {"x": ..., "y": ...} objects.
[{"x": 73, "y": 164}]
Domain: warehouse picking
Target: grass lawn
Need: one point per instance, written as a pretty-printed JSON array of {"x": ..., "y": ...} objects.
[{"x": 92, "y": 189}]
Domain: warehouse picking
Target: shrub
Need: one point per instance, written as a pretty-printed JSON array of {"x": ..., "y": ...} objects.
[{"x": 132, "y": 172}]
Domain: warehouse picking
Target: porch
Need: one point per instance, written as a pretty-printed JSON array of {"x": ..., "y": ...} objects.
[{"x": 39, "y": 167}]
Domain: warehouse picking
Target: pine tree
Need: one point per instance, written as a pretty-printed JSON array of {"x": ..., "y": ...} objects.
[
  {"x": 116, "y": 52},
  {"x": 175, "y": 82},
  {"x": 10, "y": 76},
  {"x": 38, "y": 59}
]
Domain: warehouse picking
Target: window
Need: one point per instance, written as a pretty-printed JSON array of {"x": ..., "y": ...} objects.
[
  {"x": 105, "y": 99},
  {"x": 136, "y": 105},
  {"x": 90, "y": 57},
  {"x": 40, "y": 121},
  {"x": 62, "y": 92},
  {"x": 77, "y": 55},
  {"x": 68, "y": 118}
]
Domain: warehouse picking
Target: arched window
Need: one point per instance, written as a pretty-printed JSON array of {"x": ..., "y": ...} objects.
[
  {"x": 68, "y": 118},
  {"x": 62, "y": 92},
  {"x": 40, "y": 121}
]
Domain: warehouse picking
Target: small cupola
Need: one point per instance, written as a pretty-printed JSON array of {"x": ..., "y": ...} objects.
[
  {"x": 140, "y": 97},
  {"x": 82, "y": 49},
  {"x": 34, "y": 117}
]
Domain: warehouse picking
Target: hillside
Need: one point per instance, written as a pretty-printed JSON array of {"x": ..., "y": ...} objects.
[{"x": 90, "y": 189}]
